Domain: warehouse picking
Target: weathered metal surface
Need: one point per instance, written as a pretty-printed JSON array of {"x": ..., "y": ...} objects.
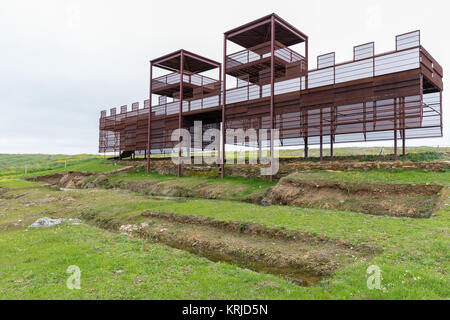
[{"x": 389, "y": 96}]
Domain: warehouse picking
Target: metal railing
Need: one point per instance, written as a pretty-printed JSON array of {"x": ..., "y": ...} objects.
[
  {"x": 247, "y": 56},
  {"x": 409, "y": 55},
  {"x": 174, "y": 78},
  {"x": 382, "y": 64}
]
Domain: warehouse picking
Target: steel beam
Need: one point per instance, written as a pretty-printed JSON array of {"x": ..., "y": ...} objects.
[
  {"x": 403, "y": 127},
  {"x": 321, "y": 133},
  {"x": 272, "y": 90},
  {"x": 224, "y": 102},
  {"x": 149, "y": 124},
  {"x": 395, "y": 130},
  {"x": 181, "y": 111}
]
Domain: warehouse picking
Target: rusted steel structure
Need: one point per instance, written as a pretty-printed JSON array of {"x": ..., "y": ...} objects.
[
  {"x": 395, "y": 95},
  {"x": 188, "y": 90}
]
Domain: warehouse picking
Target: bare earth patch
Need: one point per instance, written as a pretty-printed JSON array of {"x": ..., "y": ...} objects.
[
  {"x": 399, "y": 200},
  {"x": 74, "y": 179},
  {"x": 299, "y": 256},
  {"x": 69, "y": 180}
]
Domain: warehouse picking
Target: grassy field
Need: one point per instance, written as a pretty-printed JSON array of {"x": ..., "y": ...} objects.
[
  {"x": 12, "y": 167},
  {"x": 116, "y": 267},
  {"x": 414, "y": 261}
]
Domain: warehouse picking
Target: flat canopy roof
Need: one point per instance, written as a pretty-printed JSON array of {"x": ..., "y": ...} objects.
[
  {"x": 192, "y": 62},
  {"x": 258, "y": 31}
]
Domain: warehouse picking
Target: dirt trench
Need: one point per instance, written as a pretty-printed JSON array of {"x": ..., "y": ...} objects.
[
  {"x": 298, "y": 256},
  {"x": 398, "y": 200},
  {"x": 69, "y": 180},
  {"x": 75, "y": 179}
]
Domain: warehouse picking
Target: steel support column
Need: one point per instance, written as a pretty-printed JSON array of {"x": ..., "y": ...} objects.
[
  {"x": 333, "y": 111},
  {"x": 219, "y": 151},
  {"x": 331, "y": 147},
  {"x": 305, "y": 132},
  {"x": 395, "y": 130},
  {"x": 440, "y": 105},
  {"x": 364, "y": 121},
  {"x": 149, "y": 124},
  {"x": 321, "y": 134},
  {"x": 224, "y": 102},
  {"x": 403, "y": 127},
  {"x": 307, "y": 65},
  {"x": 306, "y": 147},
  {"x": 272, "y": 90},
  {"x": 180, "y": 112}
]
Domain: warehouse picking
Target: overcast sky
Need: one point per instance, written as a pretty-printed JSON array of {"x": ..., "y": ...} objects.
[{"x": 63, "y": 61}]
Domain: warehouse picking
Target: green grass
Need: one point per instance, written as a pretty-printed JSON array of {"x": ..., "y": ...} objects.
[
  {"x": 12, "y": 167},
  {"x": 14, "y": 164},
  {"x": 416, "y": 152},
  {"x": 85, "y": 165},
  {"x": 350, "y": 153},
  {"x": 372, "y": 176},
  {"x": 415, "y": 260},
  {"x": 412, "y": 249},
  {"x": 381, "y": 176},
  {"x": 34, "y": 265},
  {"x": 232, "y": 188},
  {"x": 8, "y": 161},
  {"x": 238, "y": 187}
]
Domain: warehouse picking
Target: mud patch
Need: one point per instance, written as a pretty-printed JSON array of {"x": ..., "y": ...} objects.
[
  {"x": 398, "y": 200},
  {"x": 76, "y": 180},
  {"x": 298, "y": 256},
  {"x": 68, "y": 180},
  {"x": 289, "y": 165},
  {"x": 175, "y": 188}
]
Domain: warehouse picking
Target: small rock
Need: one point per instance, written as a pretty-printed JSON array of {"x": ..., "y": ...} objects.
[
  {"x": 46, "y": 223},
  {"x": 49, "y": 222},
  {"x": 266, "y": 202}
]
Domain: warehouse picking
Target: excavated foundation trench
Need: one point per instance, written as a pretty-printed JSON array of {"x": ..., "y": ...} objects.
[
  {"x": 298, "y": 256},
  {"x": 398, "y": 200}
]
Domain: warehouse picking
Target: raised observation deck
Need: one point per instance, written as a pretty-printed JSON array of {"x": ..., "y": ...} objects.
[
  {"x": 193, "y": 85},
  {"x": 386, "y": 96},
  {"x": 253, "y": 65}
]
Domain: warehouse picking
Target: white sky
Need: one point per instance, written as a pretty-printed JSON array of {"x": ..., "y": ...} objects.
[{"x": 63, "y": 61}]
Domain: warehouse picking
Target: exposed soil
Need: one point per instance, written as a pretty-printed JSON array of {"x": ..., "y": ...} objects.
[
  {"x": 400, "y": 200},
  {"x": 69, "y": 180},
  {"x": 173, "y": 188},
  {"x": 73, "y": 179},
  {"x": 296, "y": 255},
  {"x": 289, "y": 165}
]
